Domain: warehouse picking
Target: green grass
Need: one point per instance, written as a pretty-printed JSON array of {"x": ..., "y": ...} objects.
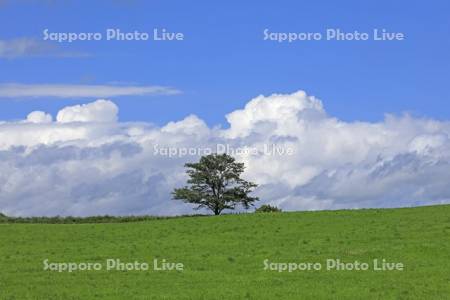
[{"x": 223, "y": 256}]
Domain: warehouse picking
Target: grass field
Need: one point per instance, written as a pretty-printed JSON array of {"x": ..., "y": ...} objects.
[{"x": 223, "y": 256}]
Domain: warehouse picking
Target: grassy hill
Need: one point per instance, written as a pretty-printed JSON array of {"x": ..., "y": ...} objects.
[{"x": 224, "y": 256}]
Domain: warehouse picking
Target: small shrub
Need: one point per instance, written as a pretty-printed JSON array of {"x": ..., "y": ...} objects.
[
  {"x": 267, "y": 208},
  {"x": 3, "y": 218}
]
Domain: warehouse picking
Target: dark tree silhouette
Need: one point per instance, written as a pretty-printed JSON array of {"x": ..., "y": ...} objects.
[{"x": 215, "y": 183}]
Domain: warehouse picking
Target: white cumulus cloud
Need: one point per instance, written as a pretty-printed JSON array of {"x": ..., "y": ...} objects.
[
  {"x": 39, "y": 117},
  {"x": 89, "y": 163},
  {"x": 98, "y": 111}
]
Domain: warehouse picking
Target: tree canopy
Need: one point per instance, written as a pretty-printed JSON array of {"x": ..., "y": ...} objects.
[{"x": 215, "y": 183}]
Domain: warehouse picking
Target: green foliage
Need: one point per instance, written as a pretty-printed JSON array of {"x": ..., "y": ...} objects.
[
  {"x": 266, "y": 208},
  {"x": 215, "y": 183},
  {"x": 223, "y": 256}
]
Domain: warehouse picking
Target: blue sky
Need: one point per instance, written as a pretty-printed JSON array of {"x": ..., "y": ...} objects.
[{"x": 224, "y": 61}]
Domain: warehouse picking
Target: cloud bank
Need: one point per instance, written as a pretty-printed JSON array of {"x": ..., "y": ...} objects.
[{"x": 85, "y": 162}]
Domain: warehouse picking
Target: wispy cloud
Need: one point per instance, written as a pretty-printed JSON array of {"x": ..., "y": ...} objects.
[
  {"x": 16, "y": 90},
  {"x": 31, "y": 47}
]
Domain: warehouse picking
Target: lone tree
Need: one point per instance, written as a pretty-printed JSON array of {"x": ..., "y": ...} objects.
[{"x": 215, "y": 184}]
